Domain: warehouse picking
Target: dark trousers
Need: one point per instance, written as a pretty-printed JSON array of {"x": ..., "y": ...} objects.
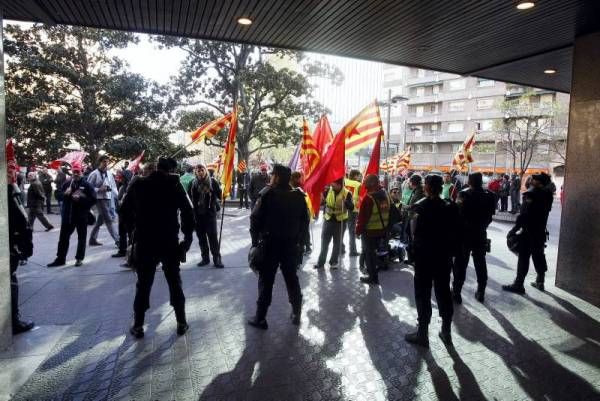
[
  {"x": 514, "y": 202},
  {"x": 122, "y": 237},
  {"x": 206, "y": 231},
  {"x": 531, "y": 248},
  {"x": 66, "y": 229},
  {"x": 351, "y": 225},
  {"x": 243, "y": 195},
  {"x": 279, "y": 254},
  {"x": 14, "y": 288},
  {"x": 332, "y": 229},
  {"x": 436, "y": 273},
  {"x": 504, "y": 203},
  {"x": 476, "y": 248},
  {"x": 48, "y": 195},
  {"x": 146, "y": 269},
  {"x": 37, "y": 213},
  {"x": 369, "y": 255}
]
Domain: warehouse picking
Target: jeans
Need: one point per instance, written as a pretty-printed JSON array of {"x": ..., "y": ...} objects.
[
  {"x": 332, "y": 229},
  {"x": 350, "y": 226},
  {"x": 103, "y": 207},
  {"x": 369, "y": 250},
  {"x": 243, "y": 195}
]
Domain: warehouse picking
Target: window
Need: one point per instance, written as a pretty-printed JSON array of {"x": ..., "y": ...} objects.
[
  {"x": 436, "y": 89},
  {"x": 423, "y": 148},
  {"x": 547, "y": 99},
  {"x": 456, "y": 127},
  {"x": 434, "y": 127},
  {"x": 457, "y": 84},
  {"x": 420, "y": 91},
  {"x": 485, "y": 103},
  {"x": 456, "y": 106},
  {"x": 456, "y": 147},
  {"x": 486, "y": 125},
  {"x": 432, "y": 108},
  {"x": 484, "y": 83}
]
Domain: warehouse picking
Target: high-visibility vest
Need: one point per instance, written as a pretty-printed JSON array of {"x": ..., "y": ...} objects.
[
  {"x": 354, "y": 188},
  {"x": 380, "y": 214},
  {"x": 334, "y": 205}
]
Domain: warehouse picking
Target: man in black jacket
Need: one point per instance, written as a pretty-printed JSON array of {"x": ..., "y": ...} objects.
[
  {"x": 151, "y": 209},
  {"x": 257, "y": 183},
  {"x": 205, "y": 194},
  {"x": 243, "y": 182},
  {"x": 78, "y": 198},
  {"x": 280, "y": 220},
  {"x": 476, "y": 207},
  {"x": 46, "y": 181},
  {"x": 537, "y": 203},
  {"x": 35, "y": 202},
  {"x": 21, "y": 247},
  {"x": 432, "y": 252}
]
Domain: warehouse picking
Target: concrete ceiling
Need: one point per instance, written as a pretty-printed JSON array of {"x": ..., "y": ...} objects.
[{"x": 487, "y": 38}]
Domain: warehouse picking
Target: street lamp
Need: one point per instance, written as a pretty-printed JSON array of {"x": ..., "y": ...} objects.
[{"x": 391, "y": 100}]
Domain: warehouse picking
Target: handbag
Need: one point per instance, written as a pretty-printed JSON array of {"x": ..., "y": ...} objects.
[
  {"x": 257, "y": 256},
  {"x": 91, "y": 219},
  {"x": 514, "y": 241}
]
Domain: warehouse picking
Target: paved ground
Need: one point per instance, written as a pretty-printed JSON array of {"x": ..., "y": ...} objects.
[{"x": 349, "y": 347}]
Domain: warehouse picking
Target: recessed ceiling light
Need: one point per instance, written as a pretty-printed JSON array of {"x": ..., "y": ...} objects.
[
  {"x": 525, "y": 5},
  {"x": 550, "y": 71},
  {"x": 244, "y": 21}
]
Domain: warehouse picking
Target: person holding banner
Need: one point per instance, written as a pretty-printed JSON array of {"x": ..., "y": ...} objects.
[{"x": 205, "y": 194}]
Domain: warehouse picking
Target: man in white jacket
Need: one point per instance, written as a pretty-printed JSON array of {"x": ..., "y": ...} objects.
[{"x": 103, "y": 182}]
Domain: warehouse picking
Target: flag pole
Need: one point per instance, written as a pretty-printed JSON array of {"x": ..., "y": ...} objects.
[{"x": 222, "y": 218}]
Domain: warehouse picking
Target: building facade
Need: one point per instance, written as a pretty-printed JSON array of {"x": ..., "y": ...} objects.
[{"x": 440, "y": 110}]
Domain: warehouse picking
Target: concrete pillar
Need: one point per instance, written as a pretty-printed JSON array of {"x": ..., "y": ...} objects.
[
  {"x": 5, "y": 316},
  {"x": 578, "y": 268}
]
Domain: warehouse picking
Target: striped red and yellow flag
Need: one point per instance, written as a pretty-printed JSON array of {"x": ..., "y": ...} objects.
[
  {"x": 211, "y": 128},
  {"x": 309, "y": 154},
  {"x": 242, "y": 166},
  {"x": 363, "y": 129},
  {"x": 403, "y": 160},
  {"x": 464, "y": 155},
  {"x": 228, "y": 155}
]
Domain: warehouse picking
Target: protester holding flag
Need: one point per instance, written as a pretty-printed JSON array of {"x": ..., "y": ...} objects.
[
  {"x": 205, "y": 194},
  {"x": 338, "y": 203}
]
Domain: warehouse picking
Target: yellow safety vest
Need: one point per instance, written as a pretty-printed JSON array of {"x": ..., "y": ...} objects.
[
  {"x": 354, "y": 188},
  {"x": 334, "y": 205},
  {"x": 380, "y": 214}
]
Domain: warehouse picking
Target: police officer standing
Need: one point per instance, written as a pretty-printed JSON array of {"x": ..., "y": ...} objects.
[
  {"x": 372, "y": 225},
  {"x": 537, "y": 203},
  {"x": 280, "y": 221},
  {"x": 21, "y": 247},
  {"x": 150, "y": 209},
  {"x": 433, "y": 253},
  {"x": 338, "y": 202},
  {"x": 476, "y": 207}
]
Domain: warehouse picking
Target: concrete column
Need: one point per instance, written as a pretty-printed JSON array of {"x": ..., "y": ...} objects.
[
  {"x": 578, "y": 268},
  {"x": 5, "y": 316}
]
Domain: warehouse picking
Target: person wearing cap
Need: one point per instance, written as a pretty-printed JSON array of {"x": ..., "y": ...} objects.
[
  {"x": 78, "y": 198},
  {"x": 532, "y": 220},
  {"x": 279, "y": 224},
  {"x": 476, "y": 207},
  {"x": 352, "y": 184},
  {"x": 205, "y": 194},
  {"x": 35, "y": 202},
  {"x": 257, "y": 183},
  {"x": 432, "y": 249},
  {"x": 152, "y": 210},
  {"x": 103, "y": 182},
  {"x": 20, "y": 243},
  {"x": 338, "y": 203}
]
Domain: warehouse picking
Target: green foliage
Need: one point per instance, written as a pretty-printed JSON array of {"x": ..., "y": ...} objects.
[
  {"x": 63, "y": 87},
  {"x": 271, "y": 100}
]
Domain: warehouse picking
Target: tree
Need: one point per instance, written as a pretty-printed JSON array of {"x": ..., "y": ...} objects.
[
  {"x": 271, "y": 101},
  {"x": 526, "y": 130},
  {"x": 64, "y": 88}
]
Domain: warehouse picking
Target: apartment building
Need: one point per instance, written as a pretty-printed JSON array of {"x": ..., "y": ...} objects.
[{"x": 435, "y": 111}]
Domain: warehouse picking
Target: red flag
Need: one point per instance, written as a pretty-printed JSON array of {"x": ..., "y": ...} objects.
[
  {"x": 373, "y": 167},
  {"x": 70, "y": 158},
  {"x": 134, "y": 165},
  {"x": 322, "y": 135},
  {"x": 309, "y": 153},
  {"x": 331, "y": 168},
  {"x": 11, "y": 160}
]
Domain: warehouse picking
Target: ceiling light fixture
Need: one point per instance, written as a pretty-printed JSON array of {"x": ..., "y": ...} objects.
[
  {"x": 525, "y": 5},
  {"x": 244, "y": 21},
  {"x": 550, "y": 71}
]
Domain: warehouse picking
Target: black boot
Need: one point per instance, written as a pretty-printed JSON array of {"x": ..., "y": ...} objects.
[
  {"x": 182, "y": 326},
  {"x": 539, "y": 282},
  {"x": 515, "y": 287},
  {"x": 445, "y": 333},
  {"x": 217, "y": 262},
  {"x": 456, "y": 295},
  {"x": 21, "y": 326},
  {"x": 137, "y": 330},
  {"x": 419, "y": 337},
  {"x": 480, "y": 294},
  {"x": 258, "y": 323},
  {"x": 295, "y": 316}
]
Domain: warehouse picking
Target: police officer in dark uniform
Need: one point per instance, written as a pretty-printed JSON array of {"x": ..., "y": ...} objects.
[
  {"x": 433, "y": 254},
  {"x": 280, "y": 220},
  {"x": 20, "y": 242},
  {"x": 536, "y": 206},
  {"x": 150, "y": 209},
  {"x": 476, "y": 207}
]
